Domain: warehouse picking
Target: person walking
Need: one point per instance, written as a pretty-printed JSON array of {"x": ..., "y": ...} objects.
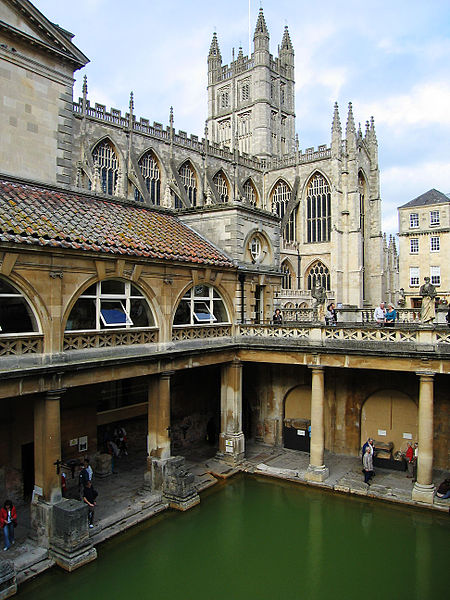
[
  {"x": 368, "y": 444},
  {"x": 8, "y": 520},
  {"x": 368, "y": 466},
  {"x": 89, "y": 498}
]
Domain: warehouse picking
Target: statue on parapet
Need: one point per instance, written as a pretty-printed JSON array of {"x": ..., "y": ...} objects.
[
  {"x": 428, "y": 293},
  {"x": 320, "y": 296}
]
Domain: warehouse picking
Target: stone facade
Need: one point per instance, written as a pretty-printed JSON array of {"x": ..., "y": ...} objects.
[{"x": 424, "y": 234}]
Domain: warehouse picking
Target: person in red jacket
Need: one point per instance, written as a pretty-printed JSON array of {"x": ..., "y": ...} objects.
[
  {"x": 410, "y": 460},
  {"x": 8, "y": 520}
]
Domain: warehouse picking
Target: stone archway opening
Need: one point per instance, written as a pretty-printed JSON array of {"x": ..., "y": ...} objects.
[{"x": 297, "y": 419}]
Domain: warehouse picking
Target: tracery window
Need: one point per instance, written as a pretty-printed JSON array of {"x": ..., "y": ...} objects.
[
  {"x": 202, "y": 304},
  {"x": 318, "y": 274},
  {"x": 16, "y": 315},
  {"x": 286, "y": 282},
  {"x": 245, "y": 92},
  {"x": 281, "y": 196},
  {"x": 222, "y": 186},
  {"x": 318, "y": 210},
  {"x": 110, "y": 303},
  {"x": 224, "y": 98},
  {"x": 105, "y": 159},
  {"x": 152, "y": 177},
  {"x": 189, "y": 180},
  {"x": 250, "y": 193}
]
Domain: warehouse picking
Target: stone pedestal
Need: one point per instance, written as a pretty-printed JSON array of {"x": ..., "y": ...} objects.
[
  {"x": 423, "y": 493},
  {"x": 176, "y": 484},
  {"x": 317, "y": 473},
  {"x": 231, "y": 448},
  {"x": 8, "y": 585},
  {"x": 41, "y": 515},
  {"x": 70, "y": 545},
  {"x": 103, "y": 465}
]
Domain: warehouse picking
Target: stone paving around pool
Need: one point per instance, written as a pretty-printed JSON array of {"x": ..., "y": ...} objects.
[{"x": 123, "y": 502}]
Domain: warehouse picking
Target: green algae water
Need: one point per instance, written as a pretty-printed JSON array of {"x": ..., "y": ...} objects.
[{"x": 261, "y": 539}]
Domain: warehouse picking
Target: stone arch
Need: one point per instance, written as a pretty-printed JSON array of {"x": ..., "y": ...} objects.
[
  {"x": 251, "y": 194},
  {"x": 220, "y": 291},
  {"x": 280, "y": 196},
  {"x": 109, "y": 166},
  {"x": 393, "y": 412},
  {"x": 297, "y": 418},
  {"x": 222, "y": 184},
  {"x": 147, "y": 293},
  {"x": 317, "y": 271},
  {"x": 35, "y": 310},
  {"x": 288, "y": 275},
  {"x": 189, "y": 176},
  {"x": 317, "y": 208},
  {"x": 151, "y": 174},
  {"x": 266, "y": 248}
]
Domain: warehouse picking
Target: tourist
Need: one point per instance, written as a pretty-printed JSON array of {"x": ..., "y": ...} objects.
[
  {"x": 84, "y": 476},
  {"x": 277, "y": 318},
  {"x": 443, "y": 491},
  {"x": 416, "y": 456},
  {"x": 331, "y": 315},
  {"x": 63, "y": 485},
  {"x": 409, "y": 460},
  {"x": 368, "y": 444},
  {"x": 390, "y": 316},
  {"x": 447, "y": 317},
  {"x": 379, "y": 314},
  {"x": 89, "y": 497},
  {"x": 120, "y": 436},
  {"x": 368, "y": 465},
  {"x": 8, "y": 520}
]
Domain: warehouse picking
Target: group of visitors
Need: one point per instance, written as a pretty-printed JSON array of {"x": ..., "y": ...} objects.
[{"x": 385, "y": 316}]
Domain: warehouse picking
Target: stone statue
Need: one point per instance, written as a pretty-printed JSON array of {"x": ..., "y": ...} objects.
[
  {"x": 428, "y": 293},
  {"x": 320, "y": 296}
]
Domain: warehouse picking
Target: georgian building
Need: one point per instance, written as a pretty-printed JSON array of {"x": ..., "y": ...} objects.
[{"x": 424, "y": 234}]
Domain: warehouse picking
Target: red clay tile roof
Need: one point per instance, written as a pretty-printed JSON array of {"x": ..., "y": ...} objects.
[{"x": 31, "y": 214}]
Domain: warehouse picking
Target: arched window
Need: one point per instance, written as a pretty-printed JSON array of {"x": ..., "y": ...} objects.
[
  {"x": 286, "y": 282},
  {"x": 250, "y": 193},
  {"x": 152, "y": 177},
  {"x": 201, "y": 305},
  {"x": 110, "y": 303},
  {"x": 280, "y": 198},
  {"x": 189, "y": 180},
  {"x": 105, "y": 159},
  {"x": 16, "y": 315},
  {"x": 318, "y": 209},
  {"x": 318, "y": 275},
  {"x": 222, "y": 186}
]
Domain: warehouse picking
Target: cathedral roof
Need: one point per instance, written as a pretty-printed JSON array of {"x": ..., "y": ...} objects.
[
  {"x": 42, "y": 216},
  {"x": 431, "y": 197}
]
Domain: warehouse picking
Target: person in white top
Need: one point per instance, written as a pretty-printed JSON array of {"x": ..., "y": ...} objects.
[{"x": 379, "y": 314}]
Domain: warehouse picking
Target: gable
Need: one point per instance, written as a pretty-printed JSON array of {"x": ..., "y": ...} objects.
[{"x": 21, "y": 19}]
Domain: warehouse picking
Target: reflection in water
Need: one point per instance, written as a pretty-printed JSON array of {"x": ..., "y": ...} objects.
[{"x": 253, "y": 539}]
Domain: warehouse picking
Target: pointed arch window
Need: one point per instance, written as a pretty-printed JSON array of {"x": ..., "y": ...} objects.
[
  {"x": 222, "y": 186},
  {"x": 318, "y": 210},
  {"x": 318, "y": 274},
  {"x": 189, "y": 179},
  {"x": 105, "y": 159},
  {"x": 152, "y": 177},
  {"x": 286, "y": 282},
  {"x": 281, "y": 196},
  {"x": 250, "y": 193}
]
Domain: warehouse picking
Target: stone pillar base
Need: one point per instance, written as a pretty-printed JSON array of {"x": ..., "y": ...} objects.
[
  {"x": 103, "y": 465},
  {"x": 169, "y": 477},
  {"x": 231, "y": 448},
  {"x": 41, "y": 515},
  {"x": 423, "y": 493},
  {"x": 8, "y": 584},
  {"x": 182, "y": 503},
  {"x": 317, "y": 473},
  {"x": 70, "y": 545}
]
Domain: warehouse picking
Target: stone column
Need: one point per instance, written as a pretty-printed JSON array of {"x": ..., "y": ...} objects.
[
  {"x": 47, "y": 454},
  {"x": 158, "y": 437},
  {"x": 423, "y": 490},
  {"x": 317, "y": 471},
  {"x": 231, "y": 439}
]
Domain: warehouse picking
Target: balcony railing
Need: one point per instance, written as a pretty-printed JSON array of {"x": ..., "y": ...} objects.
[
  {"x": 106, "y": 339},
  {"x": 12, "y": 344},
  {"x": 190, "y": 332}
]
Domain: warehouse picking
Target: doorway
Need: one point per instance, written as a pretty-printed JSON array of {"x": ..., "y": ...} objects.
[{"x": 28, "y": 470}]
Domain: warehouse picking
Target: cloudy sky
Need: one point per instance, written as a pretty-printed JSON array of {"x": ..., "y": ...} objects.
[{"x": 391, "y": 59}]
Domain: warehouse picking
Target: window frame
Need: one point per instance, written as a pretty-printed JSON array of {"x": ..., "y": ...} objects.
[
  {"x": 192, "y": 299},
  {"x": 415, "y": 270},
  {"x": 435, "y": 243},
  {"x": 435, "y": 278},
  {"x": 414, "y": 220},
  {"x": 435, "y": 218},
  {"x": 414, "y": 245}
]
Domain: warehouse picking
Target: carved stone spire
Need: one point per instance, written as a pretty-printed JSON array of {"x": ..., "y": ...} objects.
[
  {"x": 261, "y": 35},
  {"x": 286, "y": 43},
  {"x": 336, "y": 126},
  {"x": 214, "y": 50},
  {"x": 350, "y": 121},
  {"x": 261, "y": 26}
]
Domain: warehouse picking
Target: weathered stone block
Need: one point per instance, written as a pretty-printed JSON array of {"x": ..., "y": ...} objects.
[
  {"x": 8, "y": 584},
  {"x": 103, "y": 465},
  {"x": 70, "y": 545}
]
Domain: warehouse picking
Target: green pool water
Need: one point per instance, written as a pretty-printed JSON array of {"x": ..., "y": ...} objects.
[{"x": 262, "y": 539}]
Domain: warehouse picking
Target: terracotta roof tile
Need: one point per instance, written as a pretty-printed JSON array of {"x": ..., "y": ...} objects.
[{"x": 49, "y": 217}]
